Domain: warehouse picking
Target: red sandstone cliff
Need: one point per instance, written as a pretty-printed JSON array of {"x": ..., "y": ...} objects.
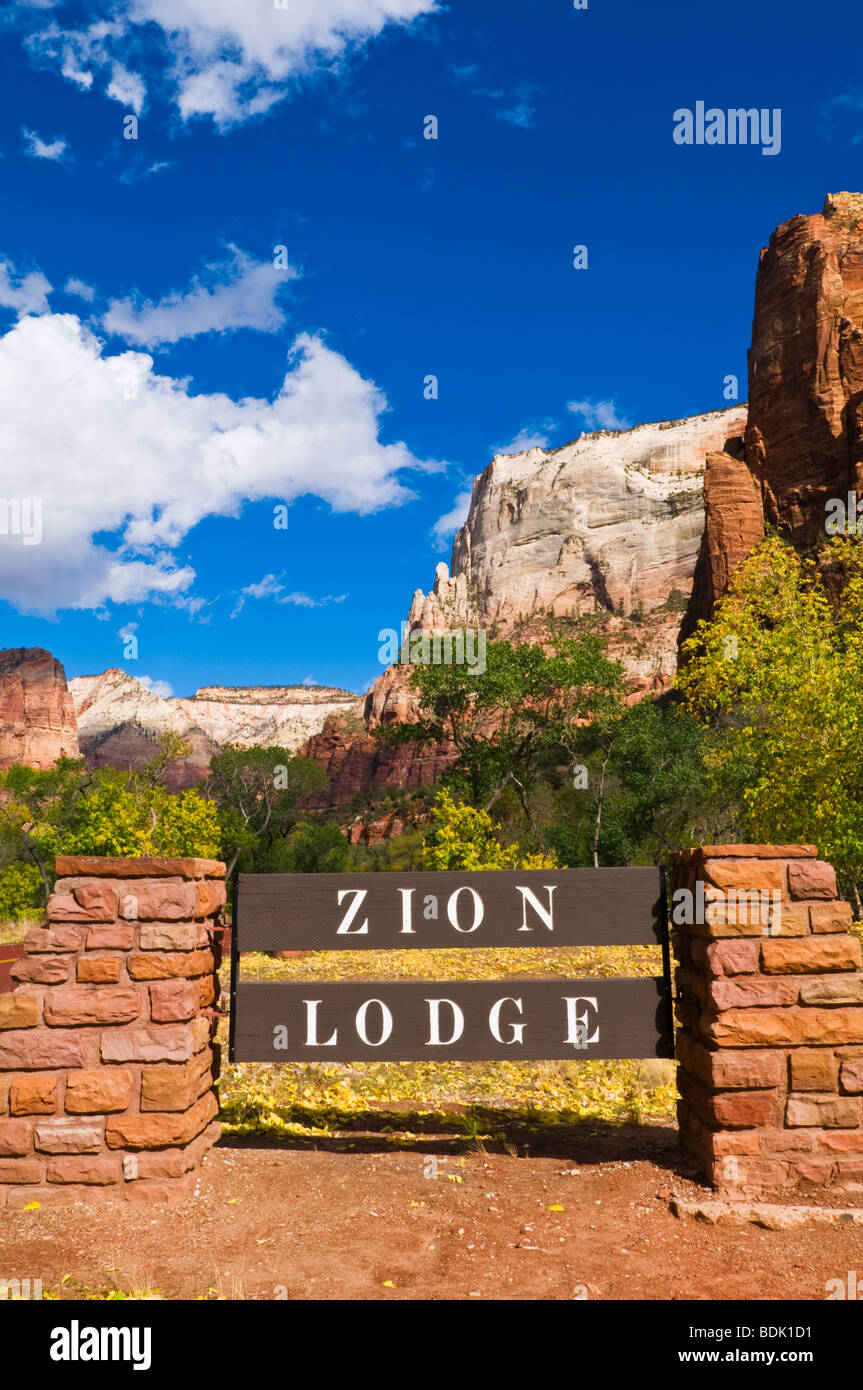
[
  {"x": 37, "y": 716},
  {"x": 804, "y": 439},
  {"x": 804, "y": 436}
]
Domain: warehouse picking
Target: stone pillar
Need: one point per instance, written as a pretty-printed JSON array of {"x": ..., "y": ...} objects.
[
  {"x": 107, "y": 1061},
  {"x": 770, "y": 1013}
]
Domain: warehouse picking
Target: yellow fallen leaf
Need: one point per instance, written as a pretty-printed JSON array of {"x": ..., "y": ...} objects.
[
  {"x": 33, "y": 1206},
  {"x": 232, "y": 1201},
  {"x": 555, "y": 1208},
  {"x": 388, "y": 1284},
  {"x": 416, "y": 1204}
]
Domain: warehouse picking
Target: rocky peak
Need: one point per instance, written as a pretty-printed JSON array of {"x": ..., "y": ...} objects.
[{"x": 37, "y": 716}]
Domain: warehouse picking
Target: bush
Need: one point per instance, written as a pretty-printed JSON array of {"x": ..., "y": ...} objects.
[{"x": 20, "y": 890}]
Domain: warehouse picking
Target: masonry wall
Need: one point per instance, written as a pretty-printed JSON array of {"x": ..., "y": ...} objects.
[
  {"x": 770, "y": 1043},
  {"x": 107, "y": 1059}
]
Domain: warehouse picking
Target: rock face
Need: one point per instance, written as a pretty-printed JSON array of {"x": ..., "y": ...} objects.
[
  {"x": 613, "y": 521},
  {"x": 803, "y": 443},
  {"x": 804, "y": 440},
  {"x": 37, "y": 716},
  {"x": 605, "y": 531},
  {"x": 733, "y": 525},
  {"x": 119, "y": 719}
]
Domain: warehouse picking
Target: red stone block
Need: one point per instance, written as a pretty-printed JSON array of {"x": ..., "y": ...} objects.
[
  {"x": 159, "y": 1042},
  {"x": 16, "y": 1138},
  {"x": 114, "y": 938},
  {"x": 812, "y": 879},
  {"x": 830, "y": 917},
  {"x": 106, "y": 1168},
  {"x": 48, "y": 940},
  {"x": 35, "y": 1094},
  {"x": 173, "y": 1001},
  {"x": 83, "y": 902},
  {"x": 752, "y": 993},
  {"x": 811, "y": 955},
  {"x": 732, "y": 957},
  {"x": 851, "y": 1077},
  {"x": 40, "y": 1050},
  {"x": 72, "y": 1007},
  {"x": 165, "y": 902},
  {"x": 41, "y": 970}
]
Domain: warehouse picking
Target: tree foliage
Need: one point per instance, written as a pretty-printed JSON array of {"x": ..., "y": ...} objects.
[
  {"x": 507, "y": 721},
  {"x": 258, "y": 792},
  {"x": 463, "y": 837},
  {"x": 777, "y": 679}
]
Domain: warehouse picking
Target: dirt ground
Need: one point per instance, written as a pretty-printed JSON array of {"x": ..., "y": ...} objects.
[{"x": 587, "y": 1217}]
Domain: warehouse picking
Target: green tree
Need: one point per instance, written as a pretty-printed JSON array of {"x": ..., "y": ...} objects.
[
  {"x": 464, "y": 837},
  {"x": 258, "y": 792},
  {"x": 507, "y": 722},
  {"x": 312, "y": 848},
  {"x": 70, "y": 809},
  {"x": 776, "y": 678}
]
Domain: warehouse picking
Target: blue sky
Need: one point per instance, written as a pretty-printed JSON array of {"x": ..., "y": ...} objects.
[{"x": 164, "y": 386}]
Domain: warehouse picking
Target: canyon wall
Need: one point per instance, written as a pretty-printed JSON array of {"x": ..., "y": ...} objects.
[
  {"x": 37, "y": 716},
  {"x": 119, "y": 720}
]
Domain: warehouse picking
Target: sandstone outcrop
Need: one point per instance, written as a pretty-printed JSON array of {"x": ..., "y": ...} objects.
[
  {"x": 119, "y": 720},
  {"x": 733, "y": 525},
  {"x": 804, "y": 439},
  {"x": 603, "y": 533},
  {"x": 37, "y": 716}
]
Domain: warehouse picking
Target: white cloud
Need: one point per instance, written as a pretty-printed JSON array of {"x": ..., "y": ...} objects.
[
  {"x": 242, "y": 294},
  {"x": 446, "y": 526},
  {"x": 271, "y": 586},
  {"x": 162, "y": 688},
  {"x": 126, "y": 461},
  {"x": 137, "y": 172},
  {"x": 524, "y": 440},
  {"x": 599, "y": 415},
  {"x": 128, "y": 631},
  {"x": 27, "y": 294},
  {"x": 127, "y": 87},
  {"x": 80, "y": 289},
  {"x": 226, "y": 59},
  {"x": 38, "y": 148}
]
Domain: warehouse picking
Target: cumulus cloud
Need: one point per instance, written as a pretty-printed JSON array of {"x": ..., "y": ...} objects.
[
  {"x": 599, "y": 415},
  {"x": 446, "y": 526},
  {"x": 25, "y": 293},
  {"x": 524, "y": 440},
  {"x": 224, "y": 60},
  {"x": 38, "y": 148},
  {"x": 162, "y": 688},
  {"x": 241, "y": 294},
  {"x": 127, "y": 87},
  {"x": 80, "y": 289},
  {"x": 126, "y": 461}
]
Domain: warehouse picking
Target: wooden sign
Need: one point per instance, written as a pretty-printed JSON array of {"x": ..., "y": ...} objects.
[
  {"x": 498, "y": 907},
  {"x": 473, "y": 1020},
  {"x": 466, "y": 1020}
]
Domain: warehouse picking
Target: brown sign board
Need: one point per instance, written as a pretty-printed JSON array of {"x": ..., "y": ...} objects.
[
  {"x": 471, "y": 1020},
  {"x": 498, "y": 907},
  {"x": 468, "y": 1020}
]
